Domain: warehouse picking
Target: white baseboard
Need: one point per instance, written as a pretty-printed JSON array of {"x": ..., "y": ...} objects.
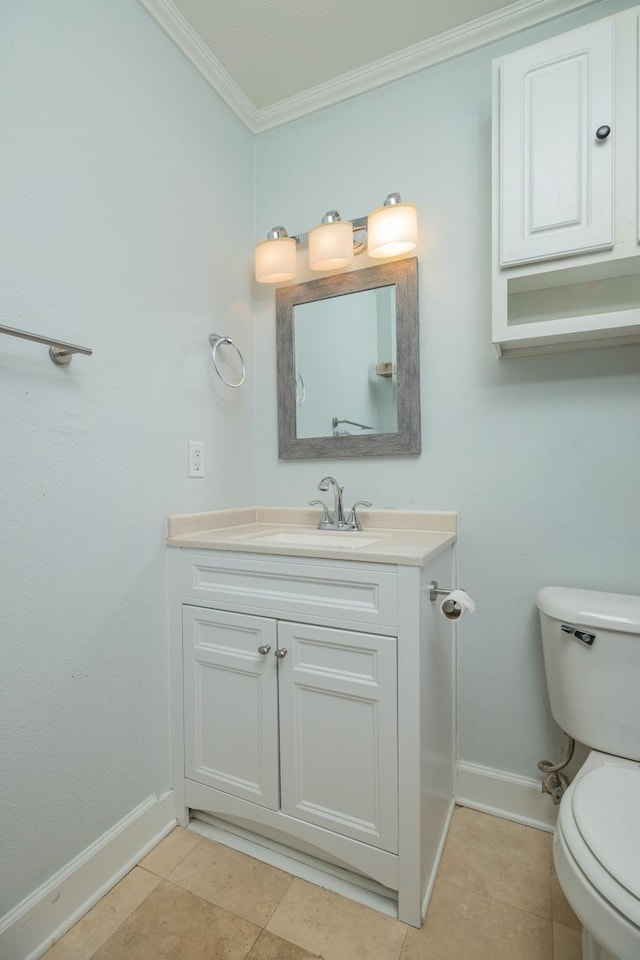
[
  {"x": 27, "y": 931},
  {"x": 505, "y": 795}
]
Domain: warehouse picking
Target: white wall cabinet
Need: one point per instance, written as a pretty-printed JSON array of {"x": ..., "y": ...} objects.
[
  {"x": 556, "y": 146},
  {"x": 565, "y": 191},
  {"x": 314, "y": 706}
]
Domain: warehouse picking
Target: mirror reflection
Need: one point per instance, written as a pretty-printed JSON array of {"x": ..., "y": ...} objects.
[{"x": 356, "y": 392}]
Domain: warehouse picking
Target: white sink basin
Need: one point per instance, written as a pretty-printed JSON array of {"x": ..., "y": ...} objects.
[{"x": 321, "y": 538}]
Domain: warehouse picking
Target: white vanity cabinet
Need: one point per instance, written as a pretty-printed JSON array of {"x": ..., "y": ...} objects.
[
  {"x": 313, "y": 708},
  {"x": 565, "y": 191},
  {"x": 296, "y": 718}
]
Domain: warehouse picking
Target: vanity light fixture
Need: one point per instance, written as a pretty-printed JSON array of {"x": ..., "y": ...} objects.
[
  {"x": 388, "y": 231},
  {"x": 331, "y": 243},
  {"x": 393, "y": 228},
  {"x": 275, "y": 257}
]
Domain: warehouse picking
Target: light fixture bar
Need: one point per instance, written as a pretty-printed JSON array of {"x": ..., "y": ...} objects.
[{"x": 388, "y": 231}]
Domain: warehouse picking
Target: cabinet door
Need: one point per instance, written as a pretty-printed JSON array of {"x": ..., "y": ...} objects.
[
  {"x": 231, "y": 703},
  {"x": 556, "y": 175},
  {"x": 338, "y": 731}
]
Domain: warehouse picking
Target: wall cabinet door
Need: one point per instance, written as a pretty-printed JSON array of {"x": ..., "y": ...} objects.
[
  {"x": 231, "y": 703},
  {"x": 338, "y": 731},
  {"x": 556, "y": 163}
]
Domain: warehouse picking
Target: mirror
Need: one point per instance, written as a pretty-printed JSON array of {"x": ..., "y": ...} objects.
[{"x": 348, "y": 364}]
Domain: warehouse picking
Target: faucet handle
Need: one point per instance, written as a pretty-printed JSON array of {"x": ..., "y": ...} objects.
[
  {"x": 325, "y": 519},
  {"x": 352, "y": 519}
]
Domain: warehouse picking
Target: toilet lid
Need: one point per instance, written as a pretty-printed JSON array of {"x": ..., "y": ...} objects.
[{"x": 606, "y": 810}]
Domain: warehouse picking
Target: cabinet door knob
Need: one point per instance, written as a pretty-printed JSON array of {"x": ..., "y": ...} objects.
[
  {"x": 280, "y": 653},
  {"x": 603, "y": 132},
  {"x": 264, "y": 649}
]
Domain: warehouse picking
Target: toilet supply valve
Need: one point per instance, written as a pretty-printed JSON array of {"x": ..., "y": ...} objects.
[{"x": 555, "y": 783}]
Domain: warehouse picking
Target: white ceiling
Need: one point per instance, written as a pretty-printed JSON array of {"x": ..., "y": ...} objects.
[
  {"x": 273, "y": 60},
  {"x": 275, "y": 49}
]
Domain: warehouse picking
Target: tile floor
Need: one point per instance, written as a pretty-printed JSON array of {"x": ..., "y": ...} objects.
[{"x": 193, "y": 899}]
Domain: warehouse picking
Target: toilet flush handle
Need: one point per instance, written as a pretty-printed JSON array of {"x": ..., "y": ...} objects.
[{"x": 584, "y": 635}]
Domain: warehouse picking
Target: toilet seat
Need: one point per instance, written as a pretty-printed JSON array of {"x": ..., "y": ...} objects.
[
  {"x": 599, "y": 822},
  {"x": 606, "y": 809}
]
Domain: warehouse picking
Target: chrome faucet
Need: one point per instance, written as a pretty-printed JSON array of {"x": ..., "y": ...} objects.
[
  {"x": 337, "y": 521},
  {"x": 338, "y": 512}
]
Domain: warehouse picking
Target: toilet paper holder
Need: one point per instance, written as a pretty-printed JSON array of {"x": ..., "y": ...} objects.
[
  {"x": 436, "y": 591},
  {"x": 456, "y": 603}
]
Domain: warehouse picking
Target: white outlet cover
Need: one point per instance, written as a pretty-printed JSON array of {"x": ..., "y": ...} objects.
[{"x": 196, "y": 458}]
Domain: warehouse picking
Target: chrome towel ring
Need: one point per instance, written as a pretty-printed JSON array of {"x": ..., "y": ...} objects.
[{"x": 215, "y": 340}]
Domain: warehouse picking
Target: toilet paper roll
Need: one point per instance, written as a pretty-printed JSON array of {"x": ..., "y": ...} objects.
[{"x": 456, "y": 604}]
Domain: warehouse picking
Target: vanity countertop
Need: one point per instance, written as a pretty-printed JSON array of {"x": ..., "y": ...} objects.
[{"x": 404, "y": 537}]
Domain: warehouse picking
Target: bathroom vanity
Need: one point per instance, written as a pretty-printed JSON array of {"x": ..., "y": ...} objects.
[{"x": 313, "y": 688}]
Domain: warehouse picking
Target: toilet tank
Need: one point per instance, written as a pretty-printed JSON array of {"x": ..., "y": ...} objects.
[{"x": 591, "y": 646}]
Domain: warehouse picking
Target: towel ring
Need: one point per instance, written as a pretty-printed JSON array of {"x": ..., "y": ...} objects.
[{"x": 215, "y": 342}]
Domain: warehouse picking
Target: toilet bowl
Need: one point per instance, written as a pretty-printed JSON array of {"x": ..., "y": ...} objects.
[
  {"x": 596, "y": 851},
  {"x": 591, "y": 644}
]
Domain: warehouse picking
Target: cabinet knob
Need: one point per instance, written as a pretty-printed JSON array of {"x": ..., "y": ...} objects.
[
  {"x": 603, "y": 132},
  {"x": 280, "y": 653},
  {"x": 264, "y": 649}
]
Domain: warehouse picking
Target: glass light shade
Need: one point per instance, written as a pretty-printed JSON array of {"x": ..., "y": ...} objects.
[
  {"x": 331, "y": 245},
  {"x": 392, "y": 230},
  {"x": 275, "y": 260}
]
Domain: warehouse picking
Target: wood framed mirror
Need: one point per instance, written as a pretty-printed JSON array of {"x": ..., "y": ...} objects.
[{"x": 348, "y": 364}]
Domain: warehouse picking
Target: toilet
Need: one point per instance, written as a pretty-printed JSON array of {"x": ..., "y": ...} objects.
[{"x": 591, "y": 646}]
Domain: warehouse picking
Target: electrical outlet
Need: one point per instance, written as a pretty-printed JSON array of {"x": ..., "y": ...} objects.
[{"x": 196, "y": 458}]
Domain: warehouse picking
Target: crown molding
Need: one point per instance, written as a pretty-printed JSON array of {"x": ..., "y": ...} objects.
[
  {"x": 182, "y": 34},
  {"x": 470, "y": 36}
]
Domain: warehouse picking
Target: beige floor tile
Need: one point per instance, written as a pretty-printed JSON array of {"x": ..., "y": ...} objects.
[
  {"x": 462, "y": 925},
  {"x": 172, "y": 924},
  {"x": 335, "y": 928},
  {"x": 238, "y": 883},
  {"x": 270, "y": 947},
  {"x": 561, "y": 910},
  {"x": 95, "y": 928},
  {"x": 499, "y": 859},
  {"x": 170, "y": 852},
  {"x": 567, "y": 943}
]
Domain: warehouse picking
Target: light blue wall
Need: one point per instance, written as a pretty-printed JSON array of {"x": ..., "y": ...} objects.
[
  {"x": 126, "y": 195},
  {"x": 127, "y": 200},
  {"x": 539, "y": 456}
]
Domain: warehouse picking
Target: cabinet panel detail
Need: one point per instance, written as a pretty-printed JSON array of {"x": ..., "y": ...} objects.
[
  {"x": 338, "y": 732},
  {"x": 556, "y": 195},
  {"x": 554, "y": 141},
  {"x": 231, "y": 708},
  {"x": 347, "y": 593}
]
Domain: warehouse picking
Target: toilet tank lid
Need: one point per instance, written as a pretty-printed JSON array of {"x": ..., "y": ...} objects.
[{"x": 611, "y": 611}]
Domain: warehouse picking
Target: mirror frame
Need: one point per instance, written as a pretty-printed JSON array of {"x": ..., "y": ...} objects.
[{"x": 403, "y": 275}]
